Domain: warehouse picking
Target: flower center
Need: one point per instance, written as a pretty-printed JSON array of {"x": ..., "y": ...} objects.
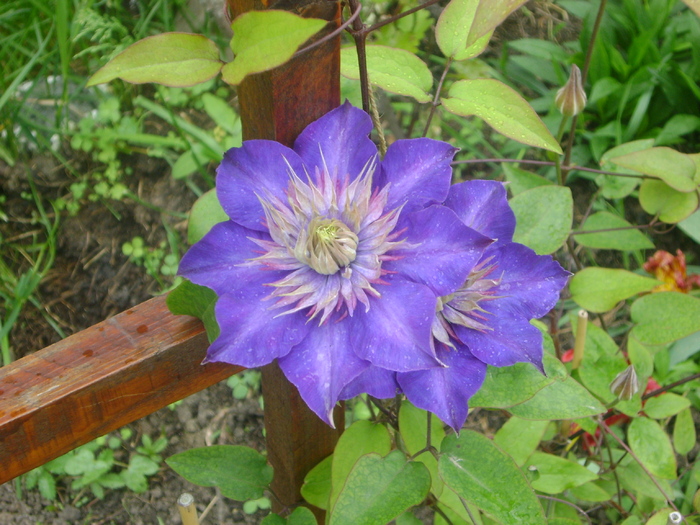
[
  {"x": 327, "y": 246},
  {"x": 464, "y": 307}
]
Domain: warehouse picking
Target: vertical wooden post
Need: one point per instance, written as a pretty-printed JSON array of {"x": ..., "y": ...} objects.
[{"x": 278, "y": 105}]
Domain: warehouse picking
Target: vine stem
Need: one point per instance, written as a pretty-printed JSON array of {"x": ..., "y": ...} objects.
[
  {"x": 550, "y": 163},
  {"x": 436, "y": 99},
  {"x": 359, "y": 34},
  {"x": 607, "y": 430}
]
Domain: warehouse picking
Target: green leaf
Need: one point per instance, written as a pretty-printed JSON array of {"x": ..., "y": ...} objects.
[
  {"x": 171, "y": 59},
  {"x": 263, "y": 40},
  {"x": 657, "y": 197},
  {"x": 634, "y": 479},
  {"x": 363, "y": 437},
  {"x": 600, "y": 289},
  {"x": 489, "y": 15},
  {"x": 317, "y": 484},
  {"x": 674, "y": 168},
  {"x": 591, "y": 492},
  {"x": 413, "y": 428},
  {"x": 379, "y": 489},
  {"x": 560, "y": 400},
  {"x": 519, "y": 438},
  {"x": 624, "y": 240},
  {"x": 223, "y": 114},
  {"x": 684, "y": 435},
  {"x": 558, "y": 474},
  {"x": 498, "y": 392},
  {"x": 652, "y": 447},
  {"x": 665, "y": 317},
  {"x": 503, "y": 109},
  {"x": 544, "y": 217},
  {"x": 691, "y": 225},
  {"x": 665, "y": 405},
  {"x": 195, "y": 300},
  {"x": 394, "y": 70},
  {"x": 619, "y": 187},
  {"x": 240, "y": 472},
  {"x": 482, "y": 474},
  {"x": 640, "y": 356},
  {"x": 205, "y": 213},
  {"x": 453, "y": 28},
  {"x": 522, "y": 180},
  {"x": 301, "y": 516}
]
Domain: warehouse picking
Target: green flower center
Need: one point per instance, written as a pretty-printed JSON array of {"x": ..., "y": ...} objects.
[{"x": 328, "y": 245}]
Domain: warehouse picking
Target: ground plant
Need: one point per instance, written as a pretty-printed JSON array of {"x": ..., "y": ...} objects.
[{"x": 500, "y": 218}]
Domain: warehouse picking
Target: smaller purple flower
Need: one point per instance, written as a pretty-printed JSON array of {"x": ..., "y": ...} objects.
[
  {"x": 486, "y": 321},
  {"x": 332, "y": 261}
]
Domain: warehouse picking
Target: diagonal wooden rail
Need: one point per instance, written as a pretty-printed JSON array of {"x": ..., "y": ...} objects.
[
  {"x": 145, "y": 358},
  {"x": 98, "y": 380}
]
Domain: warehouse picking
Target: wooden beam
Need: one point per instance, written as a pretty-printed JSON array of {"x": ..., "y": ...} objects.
[
  {"x": 278, "y": 105},
  {"x": 99, "y": 380}
]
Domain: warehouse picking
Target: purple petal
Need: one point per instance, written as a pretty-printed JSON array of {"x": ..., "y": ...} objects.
[
  {"x": 258, "y": 169},
  {"x": 215, "y": 260},
  {"x": 253, "y": 334},
  {"x": 322, "y": 365},
  {"x": 483, "y": 206},
  {"x": 446, "y": 391},
  {"x": 375, "y": 381},
  {"x": 395, "y": 334},
  {"x": 512, "y": 339},
  {"x": 440, "y": 251},
  {"x": 530, "y": 283},
  {"x": 341, "y": 139},
  {"x": 419, "y": 172}
]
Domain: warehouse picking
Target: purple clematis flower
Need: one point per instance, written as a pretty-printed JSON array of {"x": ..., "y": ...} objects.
[
  {"x": 333, "y": 262},
  {"x": 487, "y": 320}
]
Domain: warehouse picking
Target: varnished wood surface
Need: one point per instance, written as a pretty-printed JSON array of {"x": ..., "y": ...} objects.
[{"x": 98, "y": 380}]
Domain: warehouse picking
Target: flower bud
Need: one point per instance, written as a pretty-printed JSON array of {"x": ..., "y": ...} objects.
[
  {"x": 625, "y": 385},
  {"x": 571, "y": 99}
]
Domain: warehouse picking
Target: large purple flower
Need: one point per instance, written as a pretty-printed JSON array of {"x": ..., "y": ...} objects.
[
  {"x": 333, "y": 262},
  {"x": 486, "y": 321}
]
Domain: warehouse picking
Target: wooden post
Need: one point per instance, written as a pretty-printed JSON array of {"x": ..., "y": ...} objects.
[{"x": 278, "y": 105}]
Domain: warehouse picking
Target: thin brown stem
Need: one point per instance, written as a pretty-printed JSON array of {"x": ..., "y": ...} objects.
[
  {"x": 436, "y": 99},
  {"x": 330, "y": 36},
  {"x": 359, "y": 34},
  {"x": 607, "y": 430},
  {"x": 670, "y": 386},
  {"x": 550, "y": 163}
]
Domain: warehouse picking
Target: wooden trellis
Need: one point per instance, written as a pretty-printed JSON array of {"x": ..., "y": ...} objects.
[{"x": 145, "y": 358}]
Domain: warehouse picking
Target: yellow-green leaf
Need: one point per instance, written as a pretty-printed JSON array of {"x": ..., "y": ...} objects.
[
  {"x": 600, "y": 289},
  {"x": 503, "y": 109},
  {"x": 263, "y": 40},
  {"x": 674, "y": 168},
  {"x": 394, "y": 70},
  {"x": 657, "y": 197},
  {"x": 171, "y": 59}
]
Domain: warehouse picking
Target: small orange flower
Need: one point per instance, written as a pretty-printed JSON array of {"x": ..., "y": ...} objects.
[{"x": 672, "y": 271}]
